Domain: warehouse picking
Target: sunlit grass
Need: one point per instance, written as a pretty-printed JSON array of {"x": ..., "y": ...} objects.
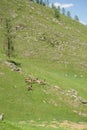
[{"x": 48, "y": 49}]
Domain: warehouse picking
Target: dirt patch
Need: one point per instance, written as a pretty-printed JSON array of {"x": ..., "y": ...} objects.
[
  {"x": 52, "y": 126},
  {"x": 73, "y": 126},
  {"x": 67, "y": 125}
]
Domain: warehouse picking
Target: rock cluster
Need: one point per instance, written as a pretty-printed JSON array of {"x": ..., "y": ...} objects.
[{"x": 13, "y": 66}]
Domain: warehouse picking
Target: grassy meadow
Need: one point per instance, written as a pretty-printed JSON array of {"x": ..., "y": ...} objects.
[{"x": 48, "y": 49}]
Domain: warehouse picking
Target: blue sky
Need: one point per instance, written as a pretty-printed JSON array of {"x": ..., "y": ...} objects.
[{"x": 76, "y": 7}]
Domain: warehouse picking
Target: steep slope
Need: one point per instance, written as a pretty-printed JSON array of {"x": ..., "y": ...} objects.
[
  {"x": 46, "y": 48},
  {"x": 37, "y": 34}
]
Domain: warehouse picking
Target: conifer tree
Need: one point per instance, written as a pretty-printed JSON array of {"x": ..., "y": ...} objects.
[
  {"x": 59, "y": 9},
  {"x": 76, "y": 18},
  {"x": 9, "y": 48},
  {"x": 63, "y": 11},
  {"x": 57, "y": 13},
  {"x": 69, "y": 14},
  {"x": 37, "y": 1},
  {"x": 53, "y": 7},
  {"x": 47, "y": 2}
]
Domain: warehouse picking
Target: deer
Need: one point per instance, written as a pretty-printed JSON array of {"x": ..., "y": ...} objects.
[
  {"x": 42, "y": 82},
  {"x": 29, "y": 88}
]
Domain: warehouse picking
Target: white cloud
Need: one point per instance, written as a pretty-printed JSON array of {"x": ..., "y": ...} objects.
[
  {"x": 67, "y": 5},
  {"x": 83, "y": 22},
  {"x": 63, "y": 5}
]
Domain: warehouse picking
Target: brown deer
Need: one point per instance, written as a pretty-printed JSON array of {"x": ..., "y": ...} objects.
[
  {"x": 42, "y": 82},
  {"x": 28, "y": 80},
  {"x": 29, "y": 88}
]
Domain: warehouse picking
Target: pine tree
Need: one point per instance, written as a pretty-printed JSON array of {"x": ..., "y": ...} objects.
[
  {"x": 59, "y": 9},
  {"x": 76, "y": 18},
  {"x": 57, "y": 13},
  {"x": 53, "y": 6},
  {"x": 47, "y": 2},
  {"x": 41, "y": 2},
  {"x": 69, "y": 14},
  {"x": 37, "y": 1},
  {"x": 9, "y": 44},
  {"x": 63, "y": 11}
]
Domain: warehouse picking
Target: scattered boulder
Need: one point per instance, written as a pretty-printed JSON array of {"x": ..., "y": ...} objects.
[
  {"x": 82, "y": 114},
  {"x": 20, "y": 27},
  {"x": 14, "y": 62},
  {"x": 2, "y": 117},
  {"x": 57, "y": 88},
  {"x": 83, "y": 101},
  {"x": 13, "y": 65}
]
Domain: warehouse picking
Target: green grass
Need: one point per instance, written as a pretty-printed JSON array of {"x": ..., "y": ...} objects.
[
  {"x": 7, "y": 125},
  {"x": 47, "y": 48},
  {"x": 54, "y": 74},
  {"x": 19, "y": 104}
]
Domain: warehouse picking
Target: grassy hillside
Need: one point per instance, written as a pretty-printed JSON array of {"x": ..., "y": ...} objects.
[{"x": 46, "y": 48}]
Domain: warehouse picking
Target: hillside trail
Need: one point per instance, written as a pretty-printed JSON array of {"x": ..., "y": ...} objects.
[
  {"x": 74, "y": 126},
  {"x": 67, "y": 125}
]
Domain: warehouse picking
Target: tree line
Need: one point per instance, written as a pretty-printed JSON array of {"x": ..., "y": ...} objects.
[
  {"x": 58, "y": 11},
  {"x": 42, "y": 2}
]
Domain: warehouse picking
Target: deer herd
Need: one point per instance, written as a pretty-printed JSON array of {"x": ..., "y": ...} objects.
[{"x": 29, "y": 80}]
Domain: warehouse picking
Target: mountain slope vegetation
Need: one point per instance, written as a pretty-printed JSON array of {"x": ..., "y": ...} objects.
[{"x": 45, "y": 49}]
